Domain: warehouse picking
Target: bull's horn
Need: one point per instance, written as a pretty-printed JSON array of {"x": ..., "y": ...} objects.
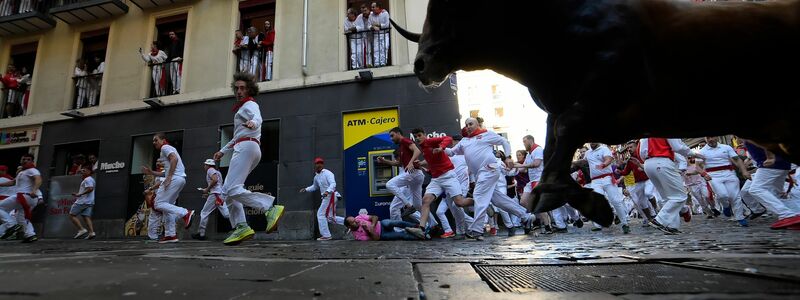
[{"x": 414, "y": 37}]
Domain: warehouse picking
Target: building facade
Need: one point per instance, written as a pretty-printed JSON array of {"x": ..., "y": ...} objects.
[{"x": 86, "y": 89}]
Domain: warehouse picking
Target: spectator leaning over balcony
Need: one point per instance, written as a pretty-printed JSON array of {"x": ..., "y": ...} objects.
[
  {"x": 267, "y": 43},
  {"x": 155, "y": 59},
  {"x": 238, "y": 44},
  {"x": 379, "y": 24},
  {"x": 367, "y": 36},
  {"x": 253, "y": 45},
  {"x": 96, "y": 81},
  {"x": 352, "y": 25},
  {"x": 81, "y": 84},
  {"x": 175, "y": 58}
]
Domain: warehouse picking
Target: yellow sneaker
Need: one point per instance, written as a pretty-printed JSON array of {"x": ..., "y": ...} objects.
[
  {"x": 241, "y": 234},
  {"x": 274, "y": 215}
]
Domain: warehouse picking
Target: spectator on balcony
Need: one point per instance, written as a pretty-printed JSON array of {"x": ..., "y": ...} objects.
[
  {"x": 352, "y": 26},
  {"x": 367, "y": 51},
  {"x": 78, "y": 162},
  {"x": 92, "y": 162},
  {"x": 96, "y": 81},
  {"x": 379, "y": 24},
  {"x": 11, "y": 90},
  {"x": 25, "y": 89},
  {"x": 155, "y": 59},
  {"x": 26, "y": 5},
  {"x": 175, "y": 58},
  {"x": 238, "y": 45},
  {"x": 253, "y": 44},
  {"x": 81, "y": 84},
  {"x": 6, "y": 7},
  {"x": 267, "y": 43}
]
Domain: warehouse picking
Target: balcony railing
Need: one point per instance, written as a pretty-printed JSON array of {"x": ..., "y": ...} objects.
[
  {"x": 165, "y": 79},
  {"x": 145, "y": 4},
  {"x": 25, "y": 16},
  {"x": 78, "y": 11},
  {"x": 87, "y": 90},
  {"x": 368, "y": 49},
  {"x": 14, "y": 101},
  {"x": 256, "y": 61}
]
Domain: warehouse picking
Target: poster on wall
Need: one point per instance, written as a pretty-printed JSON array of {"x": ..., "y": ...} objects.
[
  {"x": 366, "y": 137},
  {"x": 59, "y": 201}
]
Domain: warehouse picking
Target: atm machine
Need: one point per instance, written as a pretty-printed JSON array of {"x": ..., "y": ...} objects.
[{"x": 380, "y": 174}]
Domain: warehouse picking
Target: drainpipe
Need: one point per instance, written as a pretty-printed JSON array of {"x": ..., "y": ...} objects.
[{"x": 305, "y": 37}]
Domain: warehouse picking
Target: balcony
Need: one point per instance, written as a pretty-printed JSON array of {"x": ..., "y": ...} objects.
[
  {"x": 145, "y": 4},
  {"x": 25, "y": 16},
  {"x": 368, "y": 49},
  {"x": 78, "y": 11},
  {"x": 87, "y": 90},
  {"x": 166, "y": 79}
]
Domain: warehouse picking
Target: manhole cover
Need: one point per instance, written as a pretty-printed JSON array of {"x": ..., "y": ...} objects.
[{"x": 651, "y": 278}]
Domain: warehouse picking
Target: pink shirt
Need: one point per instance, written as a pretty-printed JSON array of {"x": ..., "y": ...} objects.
[
  {"x": 361, "y": 234},
  {"x": 691, "y": 180}
]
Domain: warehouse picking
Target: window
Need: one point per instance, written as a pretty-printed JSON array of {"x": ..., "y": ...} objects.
[
  {"x": 89, "y": 68},
  {"x": 69, "y": 158},
  {"x": 143, "y": 153},
  {"x": 165, "y": 57},
  {"x": 498, "y": 112},
  {"x": 255, "y": 48},
  {"x": 17, "y": 80},
  {"x": 474, "y": 113},
  {"x": 368, "y": 46}
]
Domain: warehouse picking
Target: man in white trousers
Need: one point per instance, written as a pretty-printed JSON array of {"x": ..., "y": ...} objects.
[
  {"x": 246, "y": 148},
  {"x": 477, "y": 146},
  {"x": 325, "y": 182},
  {"x": 599, "y": 158},
  {"x": 660, "y": 167},
  {"x": 214, "y": 199},
  {"x": 27, "y": 196},
  {"x": 720, "y": 160},
  {"x": 767, "y": 184},
  {"x": 174, "y": 180},
  {"x": 407, "y": 186}
]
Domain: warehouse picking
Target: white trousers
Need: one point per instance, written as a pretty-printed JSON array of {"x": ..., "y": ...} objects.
[
  {"x": 668, "y": 181},
  {"x": 725, "y": 185},
  {"x": 161, "y": 89},
  {"x": 154, "y": 222},
  {"x": 356, "y": 51},
  {"x": 166, "y": 197},
  {"x": 380, "y": 49},
  {"x": 208, "y": 208},
  {"x": 767, "y": 184},
  {"x": 10, "y": 204},
  {"x": 246, "y": 156},
  {"x": 613, "y": 195},
  {"x": 175, "y": 75},
  {"x": 327, "y": 213},
  {"x": 486, "y": 193},
  {"x": 408, "y": 188},
  {"x": 561, "y": 214},
  {"x": 747, "y": 198}
]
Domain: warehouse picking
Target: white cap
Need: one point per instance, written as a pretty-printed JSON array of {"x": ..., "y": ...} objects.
[{"x": 210, "y": 162}]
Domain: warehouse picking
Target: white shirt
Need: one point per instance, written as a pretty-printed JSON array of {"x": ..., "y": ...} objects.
[
  {"x": 681, "y": 162},
  {"x": 479, "y": 151},
  {"x": 678, "y": 147},
  {"x": 166, "y": 150},
  {"x": 460, "y": 168},
  {"x": 25, "y": 180},
  {"x": 382, "y": 19},
  {"x": 100, "y": 68},
  {"x": 217, "y": 188},
  {"x": 87, "y": 198},
  {"x": 159, "y": 58},
  {"x": 6, "y": 190},
  {"x": 323, "y": 181},
  {"x": 358, "y": 24},
  {"x": 248, "y": 112},
  {"x": 535, "y": 174},
  {"x": 595, "y": 157},
  {"x": 718, "y": 156}
]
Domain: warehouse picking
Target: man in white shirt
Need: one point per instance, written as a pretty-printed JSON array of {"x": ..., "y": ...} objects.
[
  {"x": 26, "y": 187},
  {"x": 720, "y": 160},
  {"x": 378, "y": 23},
  {"x": 352, "y": 26},
  {"x": 214, "y": 199},
  {"x": 84, "y": 204},
  {"x": 599, "y": 158},
  {"x": 174, "y": 181},
  {"x": 325, "y": 182}
]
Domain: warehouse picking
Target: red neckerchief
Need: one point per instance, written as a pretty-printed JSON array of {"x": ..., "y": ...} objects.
[
  {"x": 380, "y": 12},
  {"x": 162, "y": 145},
  {"x": 534, "y": 146},
  {"x": 239, "y": 104},
  {"x": 154, "y": 52},
  {"x": 475, "y": 132},
  {"x": 28, "y": 165},
  {"x": 237, "y": 41}
]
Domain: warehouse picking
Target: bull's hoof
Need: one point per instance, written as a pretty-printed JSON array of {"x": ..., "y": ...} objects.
[{"x": 592, "y": 205}]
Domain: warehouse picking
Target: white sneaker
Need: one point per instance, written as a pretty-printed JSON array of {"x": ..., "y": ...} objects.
[
  {"x": 90, "y": 236},
  {"x": 80, "y": 233}
]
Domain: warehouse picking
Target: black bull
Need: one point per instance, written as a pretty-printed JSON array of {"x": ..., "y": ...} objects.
[{"x": 613, "y": 70}]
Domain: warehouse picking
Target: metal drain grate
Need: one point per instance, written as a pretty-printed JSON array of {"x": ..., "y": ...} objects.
[{"x": 650, "y": 278}]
